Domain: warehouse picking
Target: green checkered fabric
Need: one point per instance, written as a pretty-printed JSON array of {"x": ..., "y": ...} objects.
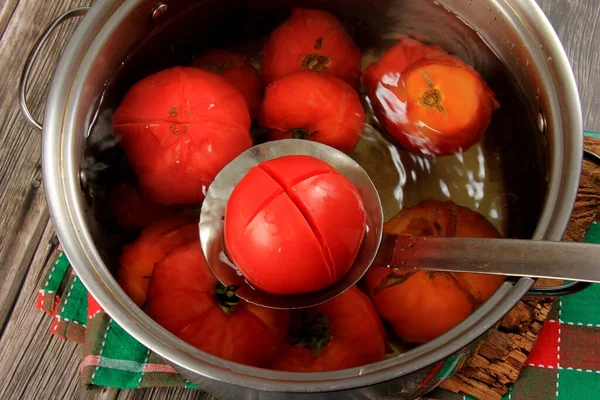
[
  {"x": 111, "y": 357},
  {"x": 565, "y": 362}
]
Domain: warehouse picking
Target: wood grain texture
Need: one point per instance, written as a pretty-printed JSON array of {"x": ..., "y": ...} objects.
[
  {"x": 498, "y": 362},
  {"x": 23, "y": 212},
  {"x": 164, "y": 393},
  {"x": 586, "y": 208},
  {"x": 577, "y": 24},
  {"x": 7, "y": 8},
  {"x": 35, "y": 364}
]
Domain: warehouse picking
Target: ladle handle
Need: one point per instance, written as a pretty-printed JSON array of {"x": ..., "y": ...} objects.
[
  {"x": 535, "y": 259},
  {"x": 511, "y": 257}
]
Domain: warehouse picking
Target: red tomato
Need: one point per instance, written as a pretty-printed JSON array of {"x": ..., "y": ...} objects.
[
  {"x": 133, "y": 209},
  {"x": 187, "y": 300},
  {"x": 343, "y": 333},
  {"x": 234, "y": 68},
  {"x": 406, "y": 52},
  {"x": 438, "y": 105},
  {"x": 314, "y": 106},
  {"x": 138, "y": 258},
  {"x": 313, "y": 40},
  {"x": 421, "y": 306},
  {"x": 294, "y": 225},
  {"x": 179, "y": 128}
]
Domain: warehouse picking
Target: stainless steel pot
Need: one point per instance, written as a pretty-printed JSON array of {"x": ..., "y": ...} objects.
[{"x": 516, "y": 31}]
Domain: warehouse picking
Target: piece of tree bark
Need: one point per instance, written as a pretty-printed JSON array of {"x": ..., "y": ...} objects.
[
  {"x": 588, "y": 198},
  {"x": 498, "y": 361}
]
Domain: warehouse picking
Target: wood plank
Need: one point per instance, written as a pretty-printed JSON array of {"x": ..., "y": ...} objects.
[
  {"x": 586, "y": 208},
  {"x": 23, "y": 212},
  {"x": 35, "y": 364},
  {"x": 577, "y": 26},
  {"x": 497, "y": 363},
  {"x": 7, "y": 8},
  {"x": 164, "y": 393},
  {"x": 30, "y": 356}
]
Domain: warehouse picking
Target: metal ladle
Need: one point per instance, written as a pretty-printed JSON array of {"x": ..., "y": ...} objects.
[{"x": 511, "y": 257}]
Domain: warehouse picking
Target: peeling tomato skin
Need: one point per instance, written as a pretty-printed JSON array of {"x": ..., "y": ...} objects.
[
  {"x": 453, "y": 127},
  {"x": 139, "y": 258},
  {"x": 234, "y": 68},
  {"x": 432, "y": 102},
  {"x": 179, "y": 128},
  {"x": 422, "y": 305},
  {"x": 357, "y": 337},
  {"x": 406, "y": 52},
  {"x": 294, "y": 225},
  {"x": 324, "y": 108},
  {"x": 181, "y": 299},
  {"x": 423, "y": 296},
  {"x": 311, "y": 39}
]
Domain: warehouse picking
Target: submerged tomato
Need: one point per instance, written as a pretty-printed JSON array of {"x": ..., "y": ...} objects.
[
  {"x": 406, "y": 52},
  {"x": 138, "y": 258},
  {"x": 438, "y": 105},
  {"x": 294, "y": 225},
  {"x": 314, "y": 106},
  {"x": 343, "y": 333},
  {"x": 187, "y": 300},
  {"x": 179, "y": 128},
  {"x": 237, "y": 71},
  {"x": 421, "y": 306},
  {"x": 311, "y": 40},
  {"x": 133, "y": 209}
]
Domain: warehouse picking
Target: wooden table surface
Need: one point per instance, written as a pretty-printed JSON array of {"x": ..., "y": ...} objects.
[{"x": 35, "y": 365}]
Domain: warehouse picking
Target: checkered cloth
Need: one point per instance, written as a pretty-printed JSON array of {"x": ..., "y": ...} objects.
[
  {"x": 565, "y": 362},
  {"x": 111, "y": 357}
]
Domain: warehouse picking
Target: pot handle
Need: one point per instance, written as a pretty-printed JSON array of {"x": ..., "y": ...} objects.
[
  {"x": 572, "y": 287},
  {"x": 41, "y": 40}
]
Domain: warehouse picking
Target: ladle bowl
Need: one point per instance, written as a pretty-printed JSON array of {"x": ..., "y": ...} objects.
[
  {"x": 514, "y": 34},
  {"x": 213, "y": 212},
  {"x": 539, "y": 259}
]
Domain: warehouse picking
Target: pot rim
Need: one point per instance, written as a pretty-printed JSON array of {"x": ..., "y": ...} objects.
[{"x": 61, "y": 179}]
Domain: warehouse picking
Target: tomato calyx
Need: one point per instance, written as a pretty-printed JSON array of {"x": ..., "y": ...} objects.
[
  {"x": 300, "y": 133},
  {"x": 226, "y": 297},
  {"x": 315, "y": 61},
  {"x": 431, "y": 98},
  {"x": 318, "y": 43},
  {"x": 313, "y": 333}
]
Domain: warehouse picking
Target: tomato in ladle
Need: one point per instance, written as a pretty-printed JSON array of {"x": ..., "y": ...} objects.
[{"x": 294, "y": 225}]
